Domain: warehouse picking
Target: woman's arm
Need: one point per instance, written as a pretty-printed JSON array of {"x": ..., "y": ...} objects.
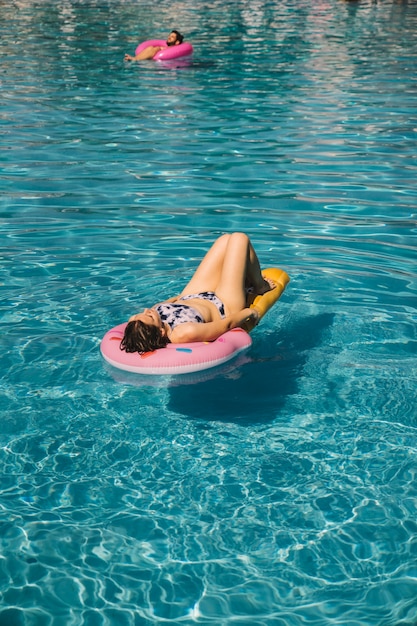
[
  {"x": 193, "y": 331},
  {"x": 173, "y": 299}
]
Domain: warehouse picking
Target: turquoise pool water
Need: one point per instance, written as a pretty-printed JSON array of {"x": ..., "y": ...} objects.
[{"x": 279, "y": 490}]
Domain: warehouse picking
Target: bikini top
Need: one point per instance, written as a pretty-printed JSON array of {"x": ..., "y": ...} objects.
[{"x": 174, "y": 314}]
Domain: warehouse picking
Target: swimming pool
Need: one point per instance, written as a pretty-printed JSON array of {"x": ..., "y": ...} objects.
[{"x": 280, "y": 489}]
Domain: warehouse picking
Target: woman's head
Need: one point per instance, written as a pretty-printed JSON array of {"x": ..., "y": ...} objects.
[
  {"x": 144, "y": 333},
  {"x": 142, "y": 337}
]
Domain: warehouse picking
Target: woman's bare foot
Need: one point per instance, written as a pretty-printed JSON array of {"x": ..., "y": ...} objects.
[{"x": 267, "y": 285}]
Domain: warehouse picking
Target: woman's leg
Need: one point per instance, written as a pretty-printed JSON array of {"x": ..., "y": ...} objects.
[
  {"x": 229, "y": 267},
  {"x": 240, "y": 269},
  {"x": 208, "y": 273}
]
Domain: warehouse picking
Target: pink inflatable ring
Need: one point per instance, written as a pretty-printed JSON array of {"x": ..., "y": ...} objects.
[
  {"x": 176, "y": 358},
  {"x": 169, "y": 52}
]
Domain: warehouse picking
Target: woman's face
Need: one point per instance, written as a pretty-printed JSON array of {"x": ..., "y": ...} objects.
[{"x": 149, "y": 316}]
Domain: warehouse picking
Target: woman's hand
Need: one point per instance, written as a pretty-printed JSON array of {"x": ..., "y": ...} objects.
[
  {"x": 254, "y": 315},
  {"x": 250, "y": 320}
]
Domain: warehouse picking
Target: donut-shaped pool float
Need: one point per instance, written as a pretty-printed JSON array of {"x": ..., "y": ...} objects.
[
  {"x": 184, "y": 358},
  {"x": 169, "y": 52},
  {"x": 175, "y": 358}
]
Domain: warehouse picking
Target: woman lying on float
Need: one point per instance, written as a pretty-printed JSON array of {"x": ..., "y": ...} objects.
[{"x": 205, "y": 325}]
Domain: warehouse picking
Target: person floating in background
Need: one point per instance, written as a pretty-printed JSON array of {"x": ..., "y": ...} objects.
[
  {"x": 213, "y": 302},
  {"x": 174, "y": 39}
]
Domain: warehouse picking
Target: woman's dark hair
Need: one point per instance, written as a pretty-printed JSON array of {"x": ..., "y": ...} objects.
[
  {"x": 180, "y": 37},
  {"x": 141, "y": 337}
]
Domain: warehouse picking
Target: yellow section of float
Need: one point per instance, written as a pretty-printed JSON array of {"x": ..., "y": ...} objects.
[{"x": 263, "y": 303}]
